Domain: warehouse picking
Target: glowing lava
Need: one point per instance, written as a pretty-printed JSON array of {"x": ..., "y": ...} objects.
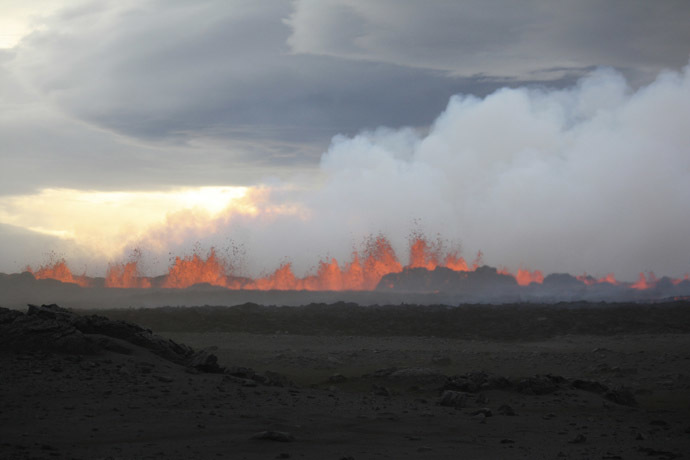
[
  {"x": 589, "y": 281},
  {"x": 125, "y": 276},
  {"x": 363, "y": 272},
  {"x": 645, "y": 283},
  {"x": 524, "y": 277},
  {"x": 58, "y": 270},
  {"x": 194, "y": 270}
]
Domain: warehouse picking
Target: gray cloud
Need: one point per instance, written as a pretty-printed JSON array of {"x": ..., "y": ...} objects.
[
  {"x": 159, "y": 94},
  {"x": 170, "y": 72},
  {"x": 496, "y": 37}
]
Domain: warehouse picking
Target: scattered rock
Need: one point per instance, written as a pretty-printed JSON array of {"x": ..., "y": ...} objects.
[
  {"x": 274, "y": 379},
  {"x": 484, "y": 411},
  {"x": 590, "y": 385},
  {"x": 337, "y": 378},
  {"x": 379, "y": 390},
  {"x": 622, "y": 396},
  {"x": 579, "y": 439},
  {"x": 441, "y": 360},
  {"x": 243, "y": 372},
  {"x": 664, "y": 454},
  {"x": 476, "y": 381},
  {"x": 333, "y": 361},
  {"x": 204, "y": 361},
  {"x": 505, "y": 409},
  {"x": 420, "y": 375},
  {"x": 382, "y": 373},
  {"x": 601, "y": 350},
  {"x": 280, "y": 436},
  {"x": 480, "y": 417},
  {"x": 455, "y": 399},
  {"x": 539, "y": 384},
  {"x": 240, "y": 381}
]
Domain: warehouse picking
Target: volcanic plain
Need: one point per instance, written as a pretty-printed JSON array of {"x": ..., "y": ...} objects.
[{"x": 343, "y": 381}]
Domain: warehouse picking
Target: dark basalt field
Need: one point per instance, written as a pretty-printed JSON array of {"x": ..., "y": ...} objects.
[{"x": 339, "y": 381}]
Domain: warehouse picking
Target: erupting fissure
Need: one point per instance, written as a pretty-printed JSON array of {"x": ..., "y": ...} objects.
[
  {"x": 58, "y": 270},
  {"x": 363, "y": 273}
]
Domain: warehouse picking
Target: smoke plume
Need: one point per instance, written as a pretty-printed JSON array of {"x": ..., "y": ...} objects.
[{"x": 593, "y": 178}]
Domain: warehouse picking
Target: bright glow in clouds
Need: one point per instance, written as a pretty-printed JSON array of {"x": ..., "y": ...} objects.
[
  {"x": 18, "y": 19},
  {"x": 106, "y": 222}
]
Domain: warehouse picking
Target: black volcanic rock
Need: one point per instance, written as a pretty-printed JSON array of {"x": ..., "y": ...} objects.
[
  {"x": 55, "y": 329},
  {"x": 442, "y": 279},
  {"x": 475, "y": 382},
  {"x": 42, "y": 331},
  {"x": 563, "y": 281}
]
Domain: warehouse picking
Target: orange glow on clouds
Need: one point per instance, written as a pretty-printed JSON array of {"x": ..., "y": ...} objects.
[{"x": 105, "y": 223}]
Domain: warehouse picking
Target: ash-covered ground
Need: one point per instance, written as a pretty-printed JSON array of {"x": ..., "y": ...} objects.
[{"x": 340, "y": 381}]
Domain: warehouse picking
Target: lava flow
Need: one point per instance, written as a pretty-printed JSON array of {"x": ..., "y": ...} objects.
[{"x": 362, "y": 273}]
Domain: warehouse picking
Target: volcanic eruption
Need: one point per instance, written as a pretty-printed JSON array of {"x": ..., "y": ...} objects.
[{"x": 431, "y": 267}]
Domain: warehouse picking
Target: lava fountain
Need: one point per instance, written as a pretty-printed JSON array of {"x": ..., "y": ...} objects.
[{"x": 362, "y": 272}]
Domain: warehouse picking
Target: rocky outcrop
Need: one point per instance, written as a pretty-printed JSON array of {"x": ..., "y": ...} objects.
[
  {"x": 56, "y": 329},
  {"x": 475, "y": 382}
]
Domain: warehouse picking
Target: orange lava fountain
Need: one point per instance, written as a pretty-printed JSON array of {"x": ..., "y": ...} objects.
[
  {"x": 194, "y": 270},
  {"x": 362, "y": 273},
  {"x": 588, "y": 280},
  {"x": 524, "y": 277},
  {"x": 125, "y": 276},
  {"x": 645, "y": 283},
  {"x": 58, "y": 270}
]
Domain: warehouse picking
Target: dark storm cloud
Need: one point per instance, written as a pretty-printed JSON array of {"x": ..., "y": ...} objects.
[
  {"x": 179, "y": 93},
  {"x": 142, "y": 94},
  {"x": 180, "y": 70}
]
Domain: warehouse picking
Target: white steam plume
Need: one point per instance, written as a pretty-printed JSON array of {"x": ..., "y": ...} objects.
[{"x": 592, "y": 178}]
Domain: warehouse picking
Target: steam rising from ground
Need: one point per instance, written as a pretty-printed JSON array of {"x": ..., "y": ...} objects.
[{"x": 592, "y": 178}]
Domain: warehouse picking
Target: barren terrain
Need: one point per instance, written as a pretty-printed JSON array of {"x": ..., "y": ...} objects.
[{"x": 301, "y": 383}]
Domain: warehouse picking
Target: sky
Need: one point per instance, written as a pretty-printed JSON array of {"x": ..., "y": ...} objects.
[{"x": 550, "y": 135}]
